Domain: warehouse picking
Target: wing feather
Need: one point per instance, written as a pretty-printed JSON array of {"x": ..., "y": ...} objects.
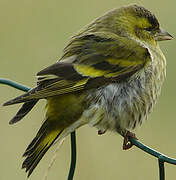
[{"x": 90, "y": 60}]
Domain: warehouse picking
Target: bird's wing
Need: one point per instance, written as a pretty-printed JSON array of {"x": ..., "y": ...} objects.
[
  {"x": 90, "y": 60},
  {"x": 103, "y": 54}
]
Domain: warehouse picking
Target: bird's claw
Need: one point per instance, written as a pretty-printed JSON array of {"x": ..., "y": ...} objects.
[
  {"x": 100, "y": 132},
  {"x": 126, "y": 143}
]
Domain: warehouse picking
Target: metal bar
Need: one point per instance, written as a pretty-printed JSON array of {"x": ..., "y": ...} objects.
[
  {"x": 152, "y": 152},
  {"x": 161, "y": 169},
  {"x": 73, "y": 155},
  {"x": 14, "y": 84}
]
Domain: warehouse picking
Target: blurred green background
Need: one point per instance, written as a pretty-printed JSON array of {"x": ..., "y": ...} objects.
[{"x": 32, "y": 36}]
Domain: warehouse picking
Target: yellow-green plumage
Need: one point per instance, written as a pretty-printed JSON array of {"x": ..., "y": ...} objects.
[
  {"x": 109, "y": 76},
  {"x": 65, "y": 109},
  {"x": 46, "y": 136},
  {"x": 70, "y": 108}
]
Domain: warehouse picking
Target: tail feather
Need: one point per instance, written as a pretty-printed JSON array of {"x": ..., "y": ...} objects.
[
  {"x": 33, "y": 164},
  {"x": 33, "y": 145},
  {"x": 33, "y": 159},
  {"x": 39, "y": 146},
  {"x": 25, "y": 109}
]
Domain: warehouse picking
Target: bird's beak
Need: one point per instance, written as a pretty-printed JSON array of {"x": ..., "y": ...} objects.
[{"x": 162, "y": 35}]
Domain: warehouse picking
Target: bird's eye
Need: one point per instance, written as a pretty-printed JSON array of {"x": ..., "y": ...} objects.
[{"x": 148, "y": 28}]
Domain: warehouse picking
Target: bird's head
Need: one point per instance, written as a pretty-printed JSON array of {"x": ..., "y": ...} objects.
[
  {"x": 141, "y": 24},
  {"x": 132, "y": 21}
]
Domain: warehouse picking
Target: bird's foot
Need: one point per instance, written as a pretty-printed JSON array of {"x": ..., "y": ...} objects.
[
  {"x": 126, "y": 143},
  {"x": 100, "y": 132}
]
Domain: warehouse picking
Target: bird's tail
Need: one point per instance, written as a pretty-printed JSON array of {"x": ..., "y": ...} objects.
[{"x": 44, "y": 139}]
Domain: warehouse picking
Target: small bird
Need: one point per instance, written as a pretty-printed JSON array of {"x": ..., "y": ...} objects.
[{"x": 109, "y": 76}]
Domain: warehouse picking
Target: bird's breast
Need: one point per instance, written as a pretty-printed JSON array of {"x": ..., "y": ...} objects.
[{"x": 128, "y": 103}]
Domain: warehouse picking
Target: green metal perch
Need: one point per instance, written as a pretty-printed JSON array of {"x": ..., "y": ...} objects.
[{"x": 161, "y": 157}]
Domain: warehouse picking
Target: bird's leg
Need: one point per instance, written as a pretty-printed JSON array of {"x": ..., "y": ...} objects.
[
  {"x": 126, "y": 134},
  {"x": 126, "y": 143}
]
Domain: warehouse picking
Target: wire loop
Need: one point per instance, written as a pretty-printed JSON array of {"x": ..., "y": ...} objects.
[{"x": 161, "y": 157}]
